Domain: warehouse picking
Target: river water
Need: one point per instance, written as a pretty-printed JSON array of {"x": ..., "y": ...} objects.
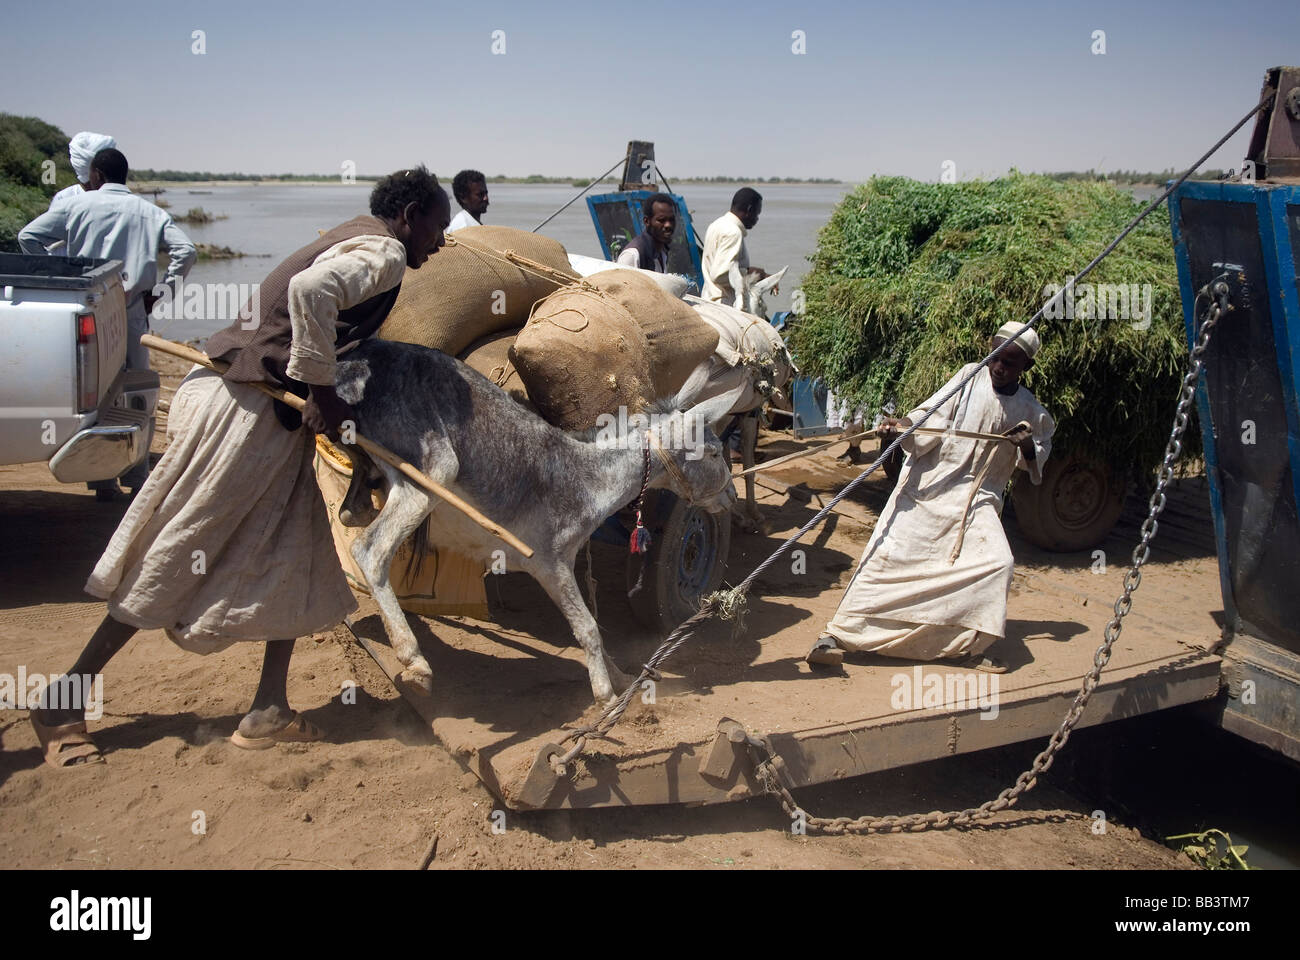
[{"x": 270, "y": 221}]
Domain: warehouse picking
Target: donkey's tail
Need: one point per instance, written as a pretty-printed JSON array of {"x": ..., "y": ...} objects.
[{"x": 420, "y": 551}]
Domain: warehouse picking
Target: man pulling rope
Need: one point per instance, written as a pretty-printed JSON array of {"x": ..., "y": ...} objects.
[{"x": 932, "y": 582}]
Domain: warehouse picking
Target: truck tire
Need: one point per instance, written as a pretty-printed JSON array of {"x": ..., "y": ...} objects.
[
  {"x": 1074, "y": 508},
  {"x": 685, "y": 562}
]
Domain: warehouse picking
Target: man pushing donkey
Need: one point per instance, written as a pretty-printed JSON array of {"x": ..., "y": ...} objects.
[{"x": 236, "y": 486}]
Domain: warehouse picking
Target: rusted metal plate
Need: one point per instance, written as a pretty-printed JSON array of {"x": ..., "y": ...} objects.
[
  {"x": 505, "y": 692},
  {"x": 872, "y": 716}
]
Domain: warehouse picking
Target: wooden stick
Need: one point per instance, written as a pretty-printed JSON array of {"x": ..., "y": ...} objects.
[
  {"x": 374, "y": 449},
  {"x": 430, "y": 852},
  {"x": 929, "y": 431},
  {"x": 802, "y": 453}
]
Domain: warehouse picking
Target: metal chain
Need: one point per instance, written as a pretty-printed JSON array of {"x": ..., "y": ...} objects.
[{"x": 768, "y": 767}]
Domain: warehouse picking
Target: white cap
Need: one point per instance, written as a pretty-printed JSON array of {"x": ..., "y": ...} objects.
[
  {"x": 82, "y": 149},
  {"x": 1027, "y": 341}
]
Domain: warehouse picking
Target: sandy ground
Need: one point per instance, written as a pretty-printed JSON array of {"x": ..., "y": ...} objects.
[{"x": 176, "y": 793}]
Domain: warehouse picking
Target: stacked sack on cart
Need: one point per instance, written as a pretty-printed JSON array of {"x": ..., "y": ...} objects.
[
  {"x": 510, "y": 305},
  {"x": 750, "y": 351}
]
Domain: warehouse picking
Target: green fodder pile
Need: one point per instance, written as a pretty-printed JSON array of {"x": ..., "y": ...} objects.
[{"x": 910, "y": 280}]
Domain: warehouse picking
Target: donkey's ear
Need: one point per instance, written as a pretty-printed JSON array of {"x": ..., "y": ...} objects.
[
  {"x": 763, "y": 286},
  {"x": 715, "y": 408},
  {"x": 696, "y": 382}
]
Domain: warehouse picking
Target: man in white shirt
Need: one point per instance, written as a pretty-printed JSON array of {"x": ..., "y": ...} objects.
[
  {"x": 109, "y": 222},
  {"x": 649, "y": 249},
  {"x": 471, "y": 192},
  {"x": 726, "y": 259},
  {"x": 81, "y": 150}
]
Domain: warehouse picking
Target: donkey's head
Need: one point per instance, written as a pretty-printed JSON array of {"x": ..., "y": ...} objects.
[
  {"x": 695, "y": 464},
  {"x": 756, "y": 291}
]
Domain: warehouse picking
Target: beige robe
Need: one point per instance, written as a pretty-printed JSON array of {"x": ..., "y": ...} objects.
[
  {"x": 909, "y": 596},
  {"x": 229, "y": 539}
]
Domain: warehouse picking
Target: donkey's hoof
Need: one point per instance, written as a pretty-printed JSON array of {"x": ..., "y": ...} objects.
[
  {"x": 421, "y": 677},
  {"x": 747, "y": 522}
]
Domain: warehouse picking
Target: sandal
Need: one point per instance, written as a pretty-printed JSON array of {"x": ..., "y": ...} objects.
[
  {"x": 67, "y": 745},
  {"x": 297, "y": 730},
  {"x": 977, "y": 661},
  {"x": 825, "y": 652}
]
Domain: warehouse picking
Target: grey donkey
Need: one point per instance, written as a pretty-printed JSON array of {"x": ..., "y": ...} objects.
[{"x": 550, "y": 488}]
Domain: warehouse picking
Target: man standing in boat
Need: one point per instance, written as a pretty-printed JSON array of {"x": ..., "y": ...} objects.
[
  {"x": 229, "y": 540},
  {"x": 649, "y": 248},
  {"x": 933, "y": 580},
  {"x": 470, "y": 190},
  {"x": 725, "y": 261}
]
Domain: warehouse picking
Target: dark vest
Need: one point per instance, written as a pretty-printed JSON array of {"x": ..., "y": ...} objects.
[
  {"x": 261, "y": 355},
  {"x": 645, "y": 248}
]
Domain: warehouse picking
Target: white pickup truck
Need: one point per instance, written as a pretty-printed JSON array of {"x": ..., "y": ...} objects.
[{"x": 64, "y": 397}]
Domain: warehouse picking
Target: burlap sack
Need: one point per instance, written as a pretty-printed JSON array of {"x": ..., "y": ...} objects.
[
  {"x": 580, "y": 357},
  {"x": 466, "y": 292},
  {"x": 750, "y": 350},
  {"x": 744, "y": 338},
  {"x": 614, "y": 340},
  {"x": 491, "y": 357}
]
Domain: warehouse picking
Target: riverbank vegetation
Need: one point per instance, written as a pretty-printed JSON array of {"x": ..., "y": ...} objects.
[
  {"x": 33, "y": 167},
  {"x": 197, "y": 215}
]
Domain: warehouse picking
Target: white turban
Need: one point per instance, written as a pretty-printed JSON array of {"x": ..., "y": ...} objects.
[
  {"x": 82, "y": 149},
  {"x": 1027, "y": 341}
]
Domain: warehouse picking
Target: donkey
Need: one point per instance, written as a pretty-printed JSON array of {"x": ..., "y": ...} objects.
[
  {"x": 550, "y": 488},
  {"x": 755, "y": 290}
]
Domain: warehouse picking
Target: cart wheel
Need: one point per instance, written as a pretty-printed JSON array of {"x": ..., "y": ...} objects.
[
  {"x": 687, "y": 556},
  {"x": 1074, "y": 508}
]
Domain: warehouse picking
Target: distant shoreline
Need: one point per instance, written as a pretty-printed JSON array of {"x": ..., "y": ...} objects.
[{"x": 150, "y": 185}]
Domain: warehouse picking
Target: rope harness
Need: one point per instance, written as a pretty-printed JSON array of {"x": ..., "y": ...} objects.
[{"x": 640, "y": 541}]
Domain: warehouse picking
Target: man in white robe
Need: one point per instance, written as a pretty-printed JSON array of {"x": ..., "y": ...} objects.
[{"x": 933, "y": 580}]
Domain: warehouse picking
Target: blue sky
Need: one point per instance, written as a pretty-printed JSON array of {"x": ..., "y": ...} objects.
[{"x": 882, "y": 88}]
